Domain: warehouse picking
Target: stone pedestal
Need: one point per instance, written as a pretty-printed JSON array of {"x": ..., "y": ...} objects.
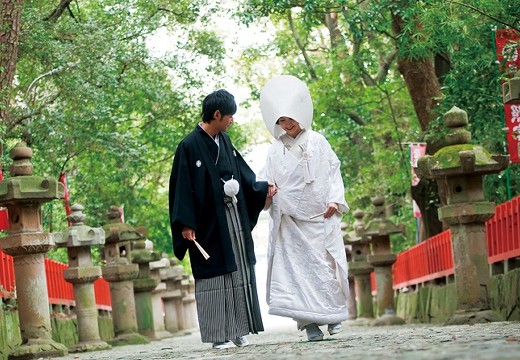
[
  {"x": 458, "y": 169},
  {"x": 157, "y": 301},
  {"x": 78, "y": 239},
  {"x": 351, "y": 300},
  {"x": 120, "y": 273},
  {"x": 378, "y": 230},
  {"x": 143, "y": 287},
  {"x": 190, "y": 321},
  {"x": 172, "y": 298},
  {"x": 360, "y": 269},
  {"x": 23, "y": 195}
]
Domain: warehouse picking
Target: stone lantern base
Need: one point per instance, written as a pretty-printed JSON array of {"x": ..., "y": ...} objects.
[
  {"x": 38, "y": 349},
  {"x": 470, "y": 317},
  {"x": 129, "y": 339},
  {"x": 359, "y": 321},
  {"x": 90, "y": 346},
  {"x": 388, "y": 318}
]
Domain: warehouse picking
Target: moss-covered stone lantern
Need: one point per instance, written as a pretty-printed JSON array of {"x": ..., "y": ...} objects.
[
  {"x": 360, "y": 268},
  {"x": 459, "y": 168},
  {"x": 144, "y": 284},
  {"x": 78, "y": 239},
  {"x": 120, "y": 272},
  {"x": 22, "y": 194},
  {"x": 378, "y": 231}
]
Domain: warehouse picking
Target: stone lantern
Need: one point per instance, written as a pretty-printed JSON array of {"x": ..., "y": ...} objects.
[
  {"x": 378, "y": 231},
  {"x": 22, "y": 194},
  {"x": 173, "y": 308},
  {"x": 458, "y": 169},
  {"x": 120, "y": 272},
  {"x": 78, "y": 239},
  {"x": 360, "y": 268},
  {"x": 157, "y": 294},
  {"x": 189, "y": 306},
  {"x": 351, "y": 299},
  {"x": 144, "y": 284}
]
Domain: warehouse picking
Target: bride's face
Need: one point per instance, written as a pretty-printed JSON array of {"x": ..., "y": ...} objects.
[{"x": 290, "y": 126}]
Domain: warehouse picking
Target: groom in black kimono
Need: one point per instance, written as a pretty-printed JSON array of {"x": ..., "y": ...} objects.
[{"x": 215, "y": 199}]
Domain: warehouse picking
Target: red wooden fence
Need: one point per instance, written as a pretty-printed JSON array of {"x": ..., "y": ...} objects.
[
  {"x": 6, "y": 275},
  {"x": 421, "y": 263},
  {"x": 60, "y": 292},
  {"x": 503, "y": 232},
  {"x": 429, "y": 260},
  {"x": 433, "y": 258},
  {"x": 102, "y": 291}
]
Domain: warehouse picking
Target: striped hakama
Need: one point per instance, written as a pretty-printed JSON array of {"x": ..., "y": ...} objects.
[{"x": 227, "y": 305}]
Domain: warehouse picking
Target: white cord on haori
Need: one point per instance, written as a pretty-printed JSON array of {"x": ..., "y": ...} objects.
[{"x": 231, "y": 188}]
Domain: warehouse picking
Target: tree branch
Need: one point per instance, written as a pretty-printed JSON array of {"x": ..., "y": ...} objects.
[
  {"x": 55, "y": 71},
  {"x": 385, "y": 65},
  {"x": 301, "y": 47},
  {"x": 56, "y": 14},
  {"x": 485, "y": 14},
  {"x": 356, "y": 118},
  {"x": 160, "y": 8},
  {"x": 15, "y": 122}
]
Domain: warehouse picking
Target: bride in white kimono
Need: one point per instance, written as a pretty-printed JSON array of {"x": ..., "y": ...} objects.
[{"x": 307, "y": 265}]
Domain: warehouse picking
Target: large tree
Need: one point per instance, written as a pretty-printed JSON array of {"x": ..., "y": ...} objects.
[
  {"x": 10, "y": 14},
  {"x": 358, "y": 56},
  {"x": 95, "y": 100}
]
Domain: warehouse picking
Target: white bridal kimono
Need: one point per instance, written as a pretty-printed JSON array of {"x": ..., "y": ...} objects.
[{"x": 307, "y": 265}]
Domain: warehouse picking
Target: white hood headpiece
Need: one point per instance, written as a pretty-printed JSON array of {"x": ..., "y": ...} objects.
[{"x": 288, "y": 96}]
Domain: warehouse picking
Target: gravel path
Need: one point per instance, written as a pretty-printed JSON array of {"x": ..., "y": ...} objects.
[{"x": 283, "y": 341}]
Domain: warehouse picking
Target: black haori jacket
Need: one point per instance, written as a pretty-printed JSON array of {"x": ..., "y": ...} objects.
[{"x": 197, "y": 200}]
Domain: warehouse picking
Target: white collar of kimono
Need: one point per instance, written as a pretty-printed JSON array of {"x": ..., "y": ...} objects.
[
  {"x": 215, "y": 139},
  {"x": 290, "y": 141},
  {"x": 288, "y": 96}
]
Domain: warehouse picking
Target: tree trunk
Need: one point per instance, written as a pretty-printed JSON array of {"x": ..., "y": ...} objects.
[
  {"x": 10, "y": 13},
  {"x": 424, "y": 88}
]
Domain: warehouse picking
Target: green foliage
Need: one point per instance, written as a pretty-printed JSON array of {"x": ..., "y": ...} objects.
[
  {"x": 473, "y": 81},
  {"x": 366, "y": 113},
  {"x": 365, "y": 121},
  {"x": 93, "y": 101}
]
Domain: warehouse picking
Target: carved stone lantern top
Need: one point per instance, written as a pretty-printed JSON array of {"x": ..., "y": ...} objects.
[
  {"x": 162, "y": 263},
  {"x": 379, "y": 229},
  {"x": 118, "y": 241},
  {"x": 356, "y": 236},
  {"x": 380, "y": 225},
  {"x": 459, "y": 157},
  {"x": 142, "y": 249},
  {"x": 359, "y": 243},
  {"x": 23, "y": 186},
  {"x": 79, "y": 234},
  {"x": 116, "y": 231}
]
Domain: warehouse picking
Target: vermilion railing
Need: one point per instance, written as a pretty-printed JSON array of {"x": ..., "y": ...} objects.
[
  {"x": 6, "y": 275},
  {"x": 429, "y": 260},
  {"x": 102, "y": 292},
  {"x": 60, "y": 292},
  {"x": 424, "y": 262},
  {"x": 433, "y": 258},
  {"x": 503, "y": 232}
]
